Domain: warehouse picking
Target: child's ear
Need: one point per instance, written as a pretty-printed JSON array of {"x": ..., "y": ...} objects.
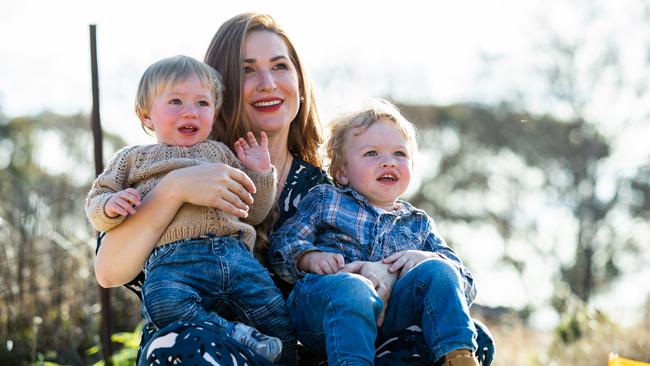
[
  {"x": 146, "y": 121},
  {"x": 341, "y": 178}
]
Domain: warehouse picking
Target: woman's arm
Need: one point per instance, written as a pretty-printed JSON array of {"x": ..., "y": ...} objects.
[{"x": 125, "y": 248}]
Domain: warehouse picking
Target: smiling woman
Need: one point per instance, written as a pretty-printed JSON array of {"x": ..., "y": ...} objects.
[
  {"x": 271, "y": 104},
  {"x": 267, "y": 90},
  {"x": 270, "y": 84}
]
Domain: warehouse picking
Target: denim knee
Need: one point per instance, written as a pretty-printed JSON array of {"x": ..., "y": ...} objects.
[
  {"x": 356, "y": 291},
  {"x": 437, "y": 272},
  {"x": 167, "y": 302},
  {"x": 327, "y": 309},
  {"x": 346, "y": 292}
]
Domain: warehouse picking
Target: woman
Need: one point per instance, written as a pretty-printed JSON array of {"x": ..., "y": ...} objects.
[
  {"x": 272, "y": 94},
  {"x": 267, "y": 89}
]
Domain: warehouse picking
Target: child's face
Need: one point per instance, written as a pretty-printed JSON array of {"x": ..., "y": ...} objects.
[
  {"x": 377, "y": 163},
  {"x": 182, "y": 115}
]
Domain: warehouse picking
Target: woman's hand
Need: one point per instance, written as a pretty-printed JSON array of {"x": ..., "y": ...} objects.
[
  {"x": 382, "y": 280},
  {"x": 405, "y": 260},
  {"x": 125, "y": 248},
  {"x": 218, "y": 186}
]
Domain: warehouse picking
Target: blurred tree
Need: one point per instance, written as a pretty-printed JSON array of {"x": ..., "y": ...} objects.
[
  {"x": 508, "y": 170},
  {"x": 511, "y": 170},
  {"x": 49, "y": 295},
  {"x": 640, "y": 189},
  {"x": 596, "y": 74}
]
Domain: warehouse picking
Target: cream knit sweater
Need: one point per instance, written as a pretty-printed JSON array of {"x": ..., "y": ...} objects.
[{"x": 142, "y": 167}]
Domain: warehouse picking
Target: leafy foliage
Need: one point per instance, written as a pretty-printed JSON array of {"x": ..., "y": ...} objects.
[
  {"x": 49, "y": 296},
  {"x": 126, "y": 355}
]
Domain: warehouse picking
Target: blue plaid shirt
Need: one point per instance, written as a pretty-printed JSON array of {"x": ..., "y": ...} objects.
[{"x": 341, "y": 220}]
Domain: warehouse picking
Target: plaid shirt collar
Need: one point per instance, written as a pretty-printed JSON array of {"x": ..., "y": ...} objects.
[{"x": 402, "y": 208}]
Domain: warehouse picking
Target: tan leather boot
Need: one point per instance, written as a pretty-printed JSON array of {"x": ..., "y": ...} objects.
[{"x": 460, "y": 357}]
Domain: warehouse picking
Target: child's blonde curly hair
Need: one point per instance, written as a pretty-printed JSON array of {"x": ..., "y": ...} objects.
[{"x": 376, "y": 110}]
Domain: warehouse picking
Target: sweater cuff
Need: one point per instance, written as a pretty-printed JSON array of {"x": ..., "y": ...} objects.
[
  {"x": 264, "y": 180},
  {"x": 99, "y": 220}
]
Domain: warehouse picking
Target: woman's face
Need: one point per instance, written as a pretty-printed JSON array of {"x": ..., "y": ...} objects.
[{"x": 271, "y": 93}]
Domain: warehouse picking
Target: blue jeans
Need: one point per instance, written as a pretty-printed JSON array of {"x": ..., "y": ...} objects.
[
  {"x": 336, "y": 314},
  {"x": 197, "y": 279}
]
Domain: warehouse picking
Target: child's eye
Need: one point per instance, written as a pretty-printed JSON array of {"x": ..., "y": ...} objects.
[
  {"x": 370, "y": 153},
  {"x": 175, "y": 101},
  {"x": 401, "y": 154},
  {"x": 203, "y": 103}
]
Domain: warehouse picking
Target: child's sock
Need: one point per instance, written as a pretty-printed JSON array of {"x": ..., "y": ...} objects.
[{"x": 268, "y": 347}]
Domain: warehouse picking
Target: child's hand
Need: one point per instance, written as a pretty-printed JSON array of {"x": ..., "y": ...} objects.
[
  {"x": 254, "y": 156},
  {"x": 382, "y": 280},
  {"x": 321, "y": 262},
  {"x": 122, "y": 203},
  {"x": 405, "y": 260}
]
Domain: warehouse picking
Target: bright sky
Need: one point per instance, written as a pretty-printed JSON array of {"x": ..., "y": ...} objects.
[
  {"x": 416, "y": 51},
  {"x": 354, "y": 49}
]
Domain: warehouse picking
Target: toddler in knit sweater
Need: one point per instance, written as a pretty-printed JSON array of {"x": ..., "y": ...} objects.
[{"x": 203, "y": 263}]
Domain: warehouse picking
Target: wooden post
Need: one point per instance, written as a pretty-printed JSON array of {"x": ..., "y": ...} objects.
[{"x": 104, "y": 293}]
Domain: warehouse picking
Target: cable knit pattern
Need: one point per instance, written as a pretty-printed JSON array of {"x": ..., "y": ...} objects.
[{"x": 142, "y": 167}]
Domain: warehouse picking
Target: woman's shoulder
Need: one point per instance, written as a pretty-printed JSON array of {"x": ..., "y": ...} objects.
[
  {"x": 302, "y": 177},
  {"x": 307, "y": 173}
]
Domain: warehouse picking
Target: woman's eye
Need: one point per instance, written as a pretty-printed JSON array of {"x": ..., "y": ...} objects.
[
  {"x": 280, "y": 66},
  {"x": 370, "y": 153},
  {"x": 175, "y": 101},
  {"x": 248, "y": 69}
]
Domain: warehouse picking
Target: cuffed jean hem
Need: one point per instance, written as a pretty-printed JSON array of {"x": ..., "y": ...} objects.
[{"x": 444, "y": 348}]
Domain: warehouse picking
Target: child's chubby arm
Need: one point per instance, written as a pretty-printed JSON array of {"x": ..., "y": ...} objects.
[
  {"x": 109, "y": 187},
  {"x": 321, "y": 262},
  {"x": 296, "y": 237}
]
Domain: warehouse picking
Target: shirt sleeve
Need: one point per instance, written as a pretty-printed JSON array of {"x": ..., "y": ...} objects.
[
  {"x": 113, "y": 179},
  {"x": 436, "y": 244},
  {"x": 296, "y": 236}
]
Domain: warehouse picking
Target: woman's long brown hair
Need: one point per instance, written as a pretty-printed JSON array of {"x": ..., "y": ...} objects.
[{"x": 225, "y": 54}]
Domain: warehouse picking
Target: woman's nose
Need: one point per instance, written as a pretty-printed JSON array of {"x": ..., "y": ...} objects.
[{"x": 266, "y": 81}]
